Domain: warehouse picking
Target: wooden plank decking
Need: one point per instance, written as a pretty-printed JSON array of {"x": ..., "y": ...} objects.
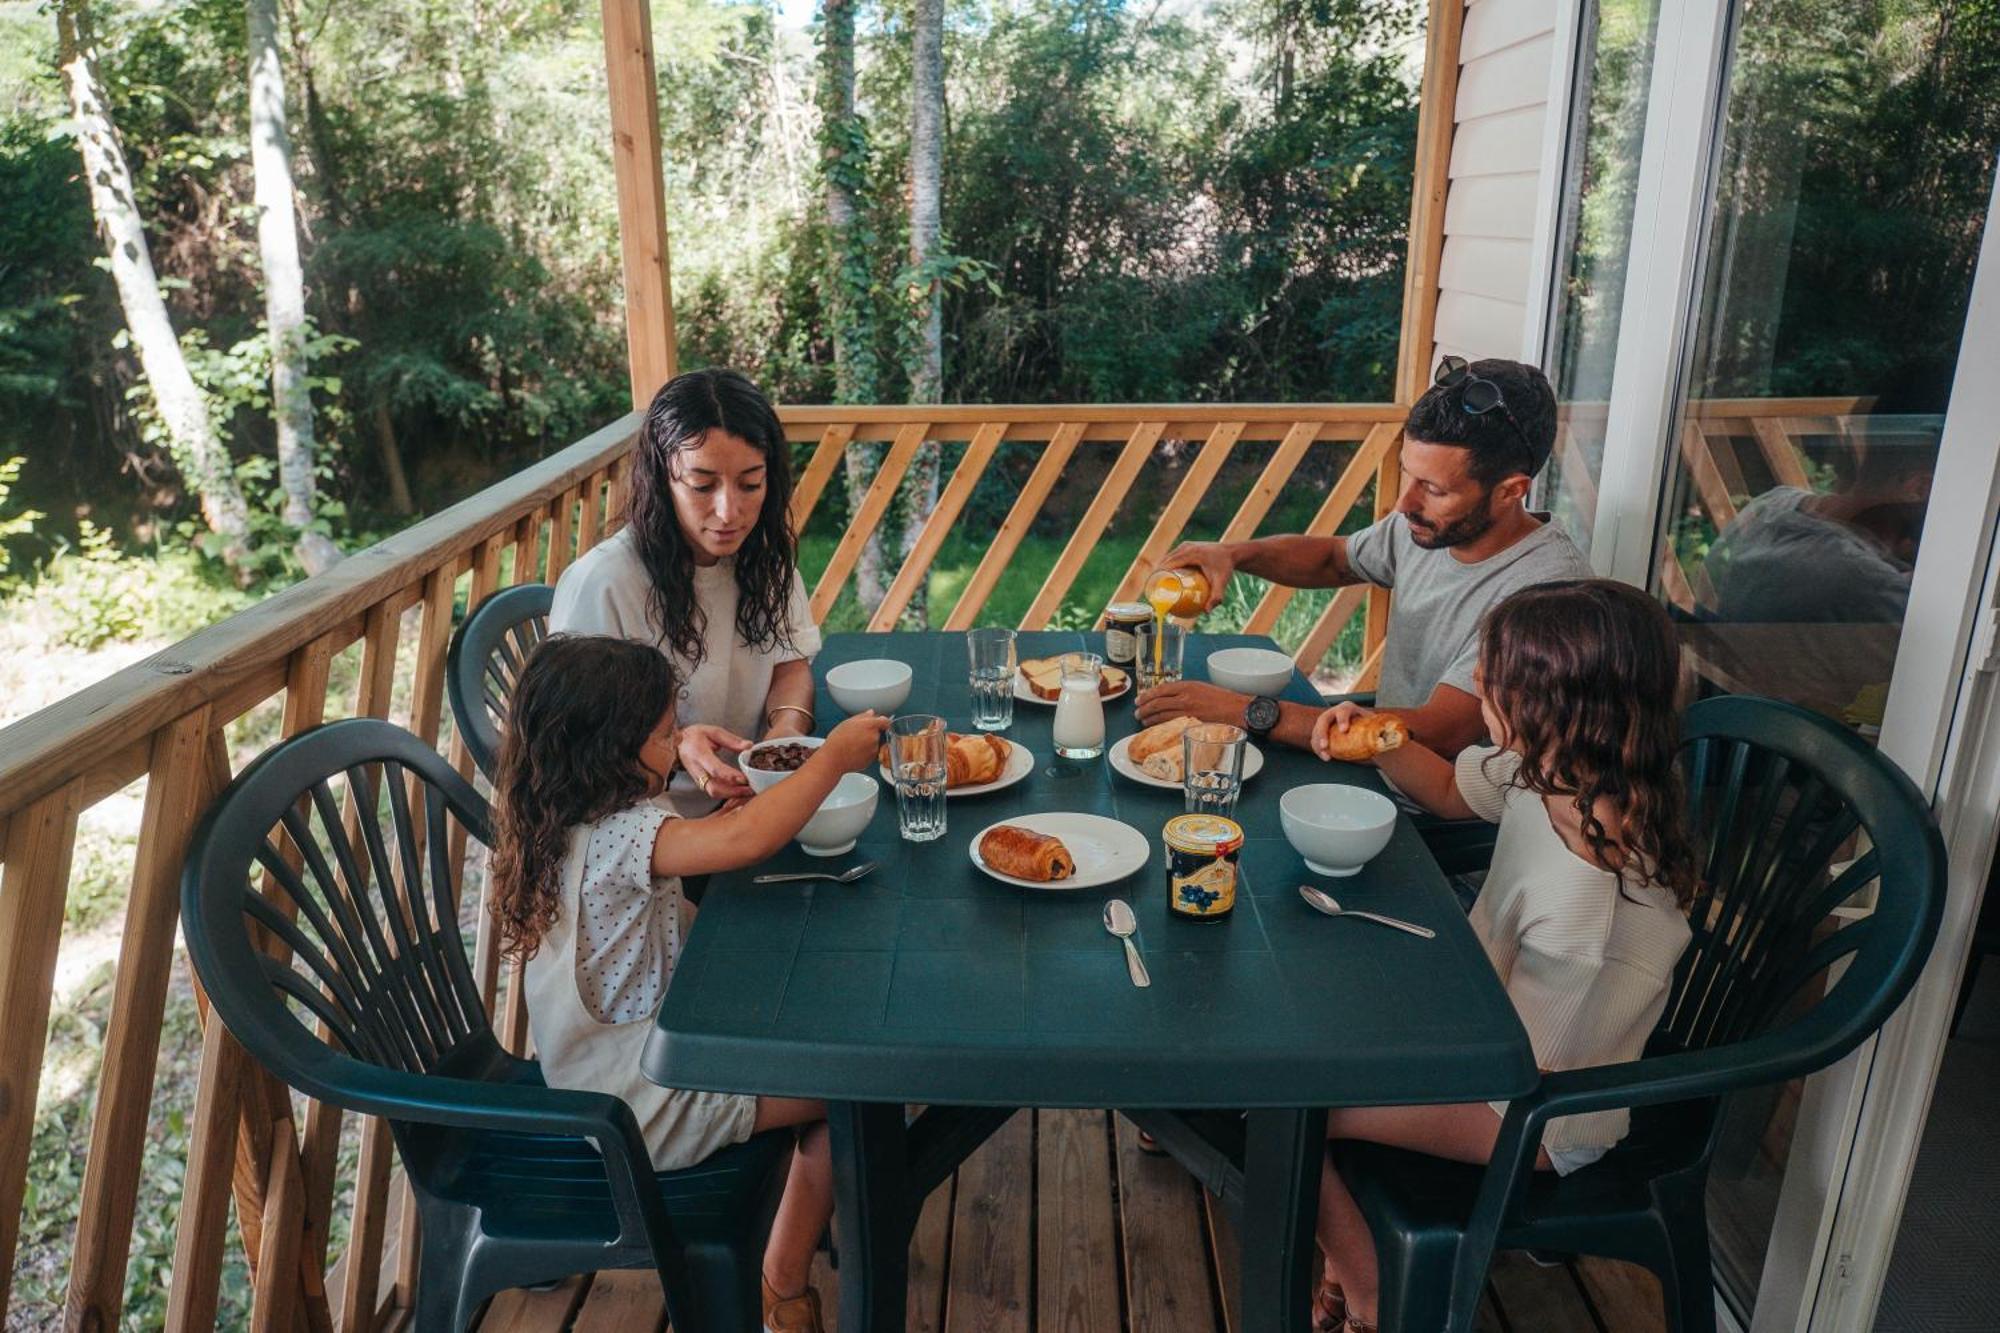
[{"x": 1059, "y": 1224}]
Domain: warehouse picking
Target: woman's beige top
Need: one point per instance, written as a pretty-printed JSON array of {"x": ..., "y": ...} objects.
[
  {"x": 609, "y": 592},
  {"x": 1587, "y": 961}
]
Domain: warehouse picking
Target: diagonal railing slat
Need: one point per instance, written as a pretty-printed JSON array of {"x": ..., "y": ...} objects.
[
  {"x": 1345, "y": 604},
  {"x": 1095, "y": 519},
  {"x": 812, "y": 482},
  {"x": 1284, "y": 462},
  {"x": 950, "y": 503},
  {"x": 1354, "y": 478},
  {"x": 1015, "y": 526},
  {"x": 1180, "y": 508},
  {"x": 868, "y": 516}
]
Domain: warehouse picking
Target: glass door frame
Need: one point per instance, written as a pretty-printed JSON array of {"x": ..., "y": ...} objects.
[{"x": 1860, "y": 1121}]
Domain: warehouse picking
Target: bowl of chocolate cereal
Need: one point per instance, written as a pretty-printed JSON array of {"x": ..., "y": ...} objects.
[{"x": 769, "y": 762}]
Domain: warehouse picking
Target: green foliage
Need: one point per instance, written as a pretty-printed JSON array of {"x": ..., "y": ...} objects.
[
  {"x": 95, "y": 594},
  {"x": 18, "y": 524}
]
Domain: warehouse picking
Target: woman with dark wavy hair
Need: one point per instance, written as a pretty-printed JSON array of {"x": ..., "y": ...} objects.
[
  {"x": 1583, "y": 913},
  {"x": 706, "y": 570}
]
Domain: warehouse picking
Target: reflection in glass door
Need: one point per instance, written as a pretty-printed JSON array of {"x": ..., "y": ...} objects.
[
  {"x": 1850, "y": 190},
  {"x": 1614, "y": 70}
]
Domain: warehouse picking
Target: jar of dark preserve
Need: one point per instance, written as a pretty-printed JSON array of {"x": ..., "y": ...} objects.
[{"x": 1203, "y": 852}]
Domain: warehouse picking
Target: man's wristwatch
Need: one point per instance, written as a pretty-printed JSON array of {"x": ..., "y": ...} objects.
[{"x": 1260, "y": 716}]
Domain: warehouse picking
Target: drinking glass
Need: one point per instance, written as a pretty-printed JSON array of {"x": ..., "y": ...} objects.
[
  {"x": 1079, "y": 724},
  {"x": 917, "y": 743},
  {"x": 1160, "y": 646},
  {"x": 992, "y": 659},
  {"x": 1212, "y": 755}
]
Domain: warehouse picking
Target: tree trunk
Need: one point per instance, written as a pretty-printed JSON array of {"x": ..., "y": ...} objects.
[
  {"x": 919, "y": 496},
  {"x": 926, "y": 180},
  {"x": 183, "y": 408},
  {"x": 400, "y": 500},
  {"x": 284, "y": 285},
  {"x": 844, "y": 160}
]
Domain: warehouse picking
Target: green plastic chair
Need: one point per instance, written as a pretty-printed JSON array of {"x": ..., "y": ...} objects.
[
  {"x": 363, "y": 939},
  {"x": 1776, "y": 795},
  {"x": 485, "y": 660}
]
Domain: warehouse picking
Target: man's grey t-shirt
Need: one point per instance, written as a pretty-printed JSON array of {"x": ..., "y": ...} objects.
[{"x": 1433, "y": 634}]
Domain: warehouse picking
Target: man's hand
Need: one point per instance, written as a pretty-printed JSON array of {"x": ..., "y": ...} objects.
[
  {"x": 706, "y": 753},
  {"x": 1185, "y": 698},
  {"x": 1211, "y": 558}
]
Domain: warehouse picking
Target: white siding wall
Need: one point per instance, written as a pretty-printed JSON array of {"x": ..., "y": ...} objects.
[{"x": 1501, "y": 178}]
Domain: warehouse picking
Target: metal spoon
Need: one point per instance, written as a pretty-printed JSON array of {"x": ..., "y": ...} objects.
[
  {"x": 1118, "y": 919},
  {"x": 1321, "y": 901},
  {"x": 844, "y": 877}
]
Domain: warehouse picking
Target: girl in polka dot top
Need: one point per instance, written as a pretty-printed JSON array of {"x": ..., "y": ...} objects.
[{"x": 587, "y": 868}]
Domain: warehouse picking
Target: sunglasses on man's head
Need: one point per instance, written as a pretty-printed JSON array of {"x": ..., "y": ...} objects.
[{"x": 1480, "y": 396}]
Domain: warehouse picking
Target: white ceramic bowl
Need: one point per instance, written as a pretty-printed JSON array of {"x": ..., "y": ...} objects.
[
  {"x": 841, "y": 817},
  {"x": 1335, "y": 827},
  {"x": 876, "y": 683},
  {"x": 762, "y": 779},
  {"x": 1250, "y": 670}
]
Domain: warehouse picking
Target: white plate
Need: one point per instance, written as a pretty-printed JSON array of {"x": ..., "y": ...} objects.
[
  {"x": 1104, "y": 849},
  {"x": 1020, "y": 763},
  {"x": 1026, "y": 695},
  {"x": 1120, "y": 756}
]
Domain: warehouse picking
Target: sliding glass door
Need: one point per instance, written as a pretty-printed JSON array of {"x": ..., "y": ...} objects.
[{"x": 1788, "y": 199}]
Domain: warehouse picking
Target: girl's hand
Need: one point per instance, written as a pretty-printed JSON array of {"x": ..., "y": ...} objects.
[
  {"x": 856, "y": 744},
  {"x": 706, "y": 752},
  {"x": 1337, "y": 718}
]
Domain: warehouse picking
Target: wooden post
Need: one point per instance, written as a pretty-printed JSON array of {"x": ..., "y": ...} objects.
[
  {"x": 1436, "y": 112},
  {"x": 642, "y": 196}
]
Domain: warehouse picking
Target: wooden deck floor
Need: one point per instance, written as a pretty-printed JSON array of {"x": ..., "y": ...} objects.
[{"x": 1059, "y": 1224}]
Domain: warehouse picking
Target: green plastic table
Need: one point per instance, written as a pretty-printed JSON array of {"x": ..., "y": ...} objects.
[{"x": 930, "y": 983}]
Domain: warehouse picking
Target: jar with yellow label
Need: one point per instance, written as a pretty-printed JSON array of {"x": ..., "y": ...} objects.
[{"x": 1202, "y": 856}]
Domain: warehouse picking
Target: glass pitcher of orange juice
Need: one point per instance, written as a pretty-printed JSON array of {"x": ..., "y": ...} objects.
[{"x": 1178, "y": 592}]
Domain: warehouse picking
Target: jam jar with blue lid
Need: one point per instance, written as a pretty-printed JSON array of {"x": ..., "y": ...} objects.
[{"x": 1203, "y": 852}]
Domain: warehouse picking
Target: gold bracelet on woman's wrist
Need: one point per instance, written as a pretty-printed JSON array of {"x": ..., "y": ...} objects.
[{"x": 771, "y": 716}]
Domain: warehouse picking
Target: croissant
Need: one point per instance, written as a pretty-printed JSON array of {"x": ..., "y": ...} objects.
[
  {"x": 970, "y": 761},
  {"x": 1159, "y": 740},
  {"x": 1026, "y": 854},
  {"x": 1366, "y": 737},
  {"x": 974, "y": 760}
]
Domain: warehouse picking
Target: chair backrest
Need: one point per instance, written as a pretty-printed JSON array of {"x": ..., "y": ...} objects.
[
  {"x": 485, "y": 661},
  {"x": 319, "y": 889},
  {"x": 1796, "y": 818}
]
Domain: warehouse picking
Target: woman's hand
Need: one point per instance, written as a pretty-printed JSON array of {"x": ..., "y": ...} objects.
[
  {"x": 706, "y": 752},
  {"x": 856, "y": 744},
  {"x": 1337, "y": 718}
]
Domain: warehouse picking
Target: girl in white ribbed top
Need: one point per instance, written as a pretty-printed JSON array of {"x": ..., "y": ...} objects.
[{"x": 1583, "y": 913}]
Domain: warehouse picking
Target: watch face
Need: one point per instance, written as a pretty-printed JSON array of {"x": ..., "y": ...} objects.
[{"x": 1262, "y": 714}]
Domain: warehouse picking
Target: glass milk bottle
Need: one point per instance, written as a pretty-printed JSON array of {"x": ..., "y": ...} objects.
[{"x": 1079, "y": 725}]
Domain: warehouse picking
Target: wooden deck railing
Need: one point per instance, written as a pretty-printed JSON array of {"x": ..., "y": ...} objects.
[{"x": 164, "y": 720}]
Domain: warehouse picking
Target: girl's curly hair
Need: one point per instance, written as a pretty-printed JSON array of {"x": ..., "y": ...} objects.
[
  {"x": 1583, "y": 674},
  {"x": 681, "y": 413},
  {"x": 582, "y": 709}
]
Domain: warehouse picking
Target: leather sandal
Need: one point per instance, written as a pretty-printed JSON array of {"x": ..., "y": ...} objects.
[{"x": 791, "y": 1314}]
